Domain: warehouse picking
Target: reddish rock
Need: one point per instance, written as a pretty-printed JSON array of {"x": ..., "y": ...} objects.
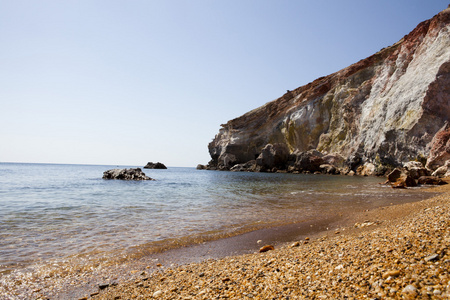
[
  {"x": 398, "y": 185},
  {"x": 440, "y": 147},
  {"x": 404, "y": 181}
]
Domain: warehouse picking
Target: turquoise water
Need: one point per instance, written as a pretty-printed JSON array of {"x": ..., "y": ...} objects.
[{"x": 50, "y": 213}]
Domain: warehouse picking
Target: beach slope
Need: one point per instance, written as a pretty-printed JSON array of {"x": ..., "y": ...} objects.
[{"x": 395, "y": 252}]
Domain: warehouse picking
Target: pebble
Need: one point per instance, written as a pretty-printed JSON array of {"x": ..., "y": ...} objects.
[
  {"x": 157, "y": 294},
  {"x": 393, "y": 273},
  {"x": 409, "y": 289},
  {"x": 266, "y": 248},
  {"x": 405, "y": 256},
  {"x": 432, "y": 257},
  {"x": 103, "y": 286},
  {"x": 295, "y": 244}
]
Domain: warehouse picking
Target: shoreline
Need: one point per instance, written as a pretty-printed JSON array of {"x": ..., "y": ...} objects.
[
  {"x": 218, "y": 256},
  {"x": 81, "y": 275}
]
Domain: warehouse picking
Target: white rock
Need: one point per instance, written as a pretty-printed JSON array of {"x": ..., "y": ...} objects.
[
  {"x": 157, "y": 294},
  {"x": 409, "y": 289}
]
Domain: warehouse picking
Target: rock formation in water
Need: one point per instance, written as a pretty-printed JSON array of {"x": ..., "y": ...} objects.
[
  {"x": 126, "y": 174},
  {"x": 158, "y": 165},
  {"x": 379, "y": 113}
]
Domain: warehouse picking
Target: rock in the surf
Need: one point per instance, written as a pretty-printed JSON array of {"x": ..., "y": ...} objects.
[
  {"x": 158, "y": 165},
  {"x": 126, "y": 174}
]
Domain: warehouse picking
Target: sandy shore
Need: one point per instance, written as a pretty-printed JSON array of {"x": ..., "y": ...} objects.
[{"x": 395, "y": 252}]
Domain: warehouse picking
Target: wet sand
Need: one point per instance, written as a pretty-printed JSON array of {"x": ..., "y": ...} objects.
[{"x": 395, "y": 252}]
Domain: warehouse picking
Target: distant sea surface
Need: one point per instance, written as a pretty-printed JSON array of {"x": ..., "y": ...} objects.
[{"x": 52, "y": 213}]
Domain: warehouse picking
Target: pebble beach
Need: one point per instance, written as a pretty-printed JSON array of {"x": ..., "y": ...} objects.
[{"x": 394, "y": 252}]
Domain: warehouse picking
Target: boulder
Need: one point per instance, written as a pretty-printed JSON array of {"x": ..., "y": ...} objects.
[
  {"x": 201, "y": 167},
  {"x": 432, "y": 180},
  {"x": 248, "y": 166},
  {"x": 334, "y": 159},
  {"x": 158, "y": 165},
  {"x": 126, "y": 174},
  {"x": 273, "y": 156},
  {"x": 368, "y": 169},
  {"x": 394, "y": 175},
  {"x": 416, "y": 169},
  {"x": 412, "y": 164},
  {"x": 404, "y": 181},
  {"x": 309, "y": 161},
  {"x": 443, "y": 171},
  {"x": 408, "y": 180},
  {"x": 329, "y": 169}
]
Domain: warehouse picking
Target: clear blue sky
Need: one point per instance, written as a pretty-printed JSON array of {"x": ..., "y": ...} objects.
[{"x": 127, "y": 82}]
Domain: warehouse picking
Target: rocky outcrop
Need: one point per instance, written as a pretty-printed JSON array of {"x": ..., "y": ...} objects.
[
  {"x": 126, "y": 174},
  {"x": 440, "y": 147},
  {"x": 201, "y": 167},
  {"x": 158, "y": 165},
  {"x": 381, "y": 112}
]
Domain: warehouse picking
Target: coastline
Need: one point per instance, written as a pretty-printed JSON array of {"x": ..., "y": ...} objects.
[{"x": 396, "y": 251}]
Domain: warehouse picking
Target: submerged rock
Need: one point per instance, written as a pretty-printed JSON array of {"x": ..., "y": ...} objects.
[{"x": 126, "y": 174}]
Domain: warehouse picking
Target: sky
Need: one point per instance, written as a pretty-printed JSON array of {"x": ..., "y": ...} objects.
[{"x": 128, "y": 82}]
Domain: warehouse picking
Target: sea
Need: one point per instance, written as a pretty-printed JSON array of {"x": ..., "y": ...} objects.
[{"x": 61, "y": 223}]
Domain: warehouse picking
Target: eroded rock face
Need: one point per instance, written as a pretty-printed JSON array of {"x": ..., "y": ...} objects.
[
  {"x": 126, "y": 174},
  {"x": 440, "y": 148},
  {"x": 383, "y": 110}
]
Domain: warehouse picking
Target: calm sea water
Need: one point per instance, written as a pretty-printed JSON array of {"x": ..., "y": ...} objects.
[{"x": 50, "y": 213}]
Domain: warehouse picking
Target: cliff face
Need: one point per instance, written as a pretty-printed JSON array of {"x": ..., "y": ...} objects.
[{"x": 383, "y": 110}]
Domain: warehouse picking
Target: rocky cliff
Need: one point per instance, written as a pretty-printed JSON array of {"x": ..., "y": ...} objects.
[{"x": 380, "y": 112}]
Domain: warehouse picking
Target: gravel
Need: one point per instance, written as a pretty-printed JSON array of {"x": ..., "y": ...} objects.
[{"x": 395, "y": 252}]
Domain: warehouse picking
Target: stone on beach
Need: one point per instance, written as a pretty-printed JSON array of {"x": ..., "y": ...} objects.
[
  {"x": 431, "y": 180},
  {"x": 266, "y": 248},
  {"x": 295, "y": 244}
]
